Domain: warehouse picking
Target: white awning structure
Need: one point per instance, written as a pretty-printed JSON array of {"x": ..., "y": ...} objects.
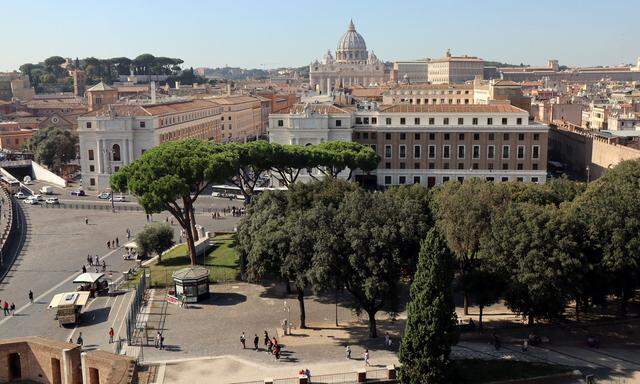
[
  {"x": 88, "y": 277},
  {"x": 131, "y": 245},
  {"x": 67, "y": 298}
]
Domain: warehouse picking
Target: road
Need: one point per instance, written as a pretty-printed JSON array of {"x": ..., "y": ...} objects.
[{"x": 51, "y": 251}]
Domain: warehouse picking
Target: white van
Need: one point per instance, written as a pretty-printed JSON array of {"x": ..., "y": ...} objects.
[{"x": 46, "y": 190}]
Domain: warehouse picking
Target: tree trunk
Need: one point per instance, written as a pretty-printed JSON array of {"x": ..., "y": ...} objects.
[
  {"x": 191, "y": 246},
  {"x": 480, "y": 318},
  {"x": 530, "y": 320},
  {"x": 303, "y": 315},
  {"x": 466, "y": 303},
  {"x": 623, "y": 302},
  {"x": 287, "y": 286},
  {"x": 373, "y": 332},
  {"x": 189, "y": 230},
  {"x": 192, "y": 218}
]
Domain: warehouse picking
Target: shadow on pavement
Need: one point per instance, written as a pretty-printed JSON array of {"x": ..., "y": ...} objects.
[{"x": 95, "y": 316}]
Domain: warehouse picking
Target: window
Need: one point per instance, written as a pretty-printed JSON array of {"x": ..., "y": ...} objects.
[
  {"x": 358, "y": 120},
  {"x": 460, "y": 136},
  {"x": 432, "y": 151},
  {"x": 402, "y": 151},
  {"x": 432, "y": 165},
  {"x": 490, "y": 166},
  {"x": 492, "y": 136},
  {"x": 489, "y": 178},
  {"x": 476, "y": 136},
  {"x": 338, "y": 123},
  {"x": 403, "y": 121},
  {"x": 365, "y": 120},
  {"x": 520, "y": 179},
  {"x": 504, "y": 178},
  {"x": 387, "y": 136},
  {"x": 403, "y": 136},
  {"x": 460, "y": 151},
  {"x": 387, "y": 165},
  {"x": 387, "y": 180},
  {"x": 534, "y": 167},
  {"x": 505, "y": 136},
  {"x": 535, "y": 152},
  {"x": 505, "y": 166},
  {"x": 416, "y": 180},
  {"x": 432, "y": 120},
  {"x": 520, "y": 136},
  {"x": 445, "y": 151},
  {"x": 115, "y": 150},
  {"x": 519, "y": 166},
  {"x": 374, "y": 120},
  {"x": 402, "y": 180},
  {"x": 388, "y": 121},
  {"x": 447, "y": 136},
  {"x": 460, "y": 179},
  {"x": 460, "y": 165},
  {"x": 491, "y": 151},
  {"x": 357, "y": 135},
  {"x": 445, "y": 179},
  {"x": 416, "y": 121},
  {"x": 92, "y": 181},
  {"x": 142, "y": 124},
  {"x": 489, "y": 121},
  {"x": 403, "y": 165},
  {"x": 416, "y": 165},
  {"x": 474, "y": 121},
  {"x": 536, "y": 136},
  {"x": 92, "y": 168},
  {"x": 365, "y": 135},
  {"x": 91, "y": 154},
  {"x": 445, "y": 121},
  {"x": 416, "y": 136},
  {"x": 445, "y": 166},
  {"x": 476, "y": 152},
  {"x": 416, "y": 151},
  {"x": 280, "y": 123},
  {"x": 460, "y": 120},
  {"x": 534, "y": 179},
  {"x": 373, "y": 146},
  {"x": 387, "y": 151},
  {"x": 374, "y": 135},
  {"x": 505, "y": 151},
  {"x": 520, "y": 151},
  {"x": 519, "y": 121},
  {"x": 432, "y": 136},
  {"x": 89, "y": 126},
  {"x": 475, "y": 166},
  {"x": 504, "y": 121}
]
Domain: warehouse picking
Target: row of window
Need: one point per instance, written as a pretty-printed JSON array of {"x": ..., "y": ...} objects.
[
  {"x": 431, "y": 180},
  {"x": 176, "y": 119},
  {"x": 419, "y": 101},
  {"x": 446, "y": 136},
  {"x": 461, "y": 151},
  {"x": 431, "y": 92},
  {"x": 461, "y": 166}
]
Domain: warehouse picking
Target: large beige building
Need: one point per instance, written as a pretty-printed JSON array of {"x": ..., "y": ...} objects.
[
  {"x": 353, "y": 64},
  {"x": 424, "y": 143},
  {"x": 242, "y": 118},
  {"x": 429, "y": 94},
  {"x": 454, "y": 69},
  {"x": 410, "y": 71}
]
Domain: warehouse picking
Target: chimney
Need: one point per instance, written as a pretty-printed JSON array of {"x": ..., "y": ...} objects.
[
  {"x": 228, "y": 89},
  {"x": 152, "y": 85}
]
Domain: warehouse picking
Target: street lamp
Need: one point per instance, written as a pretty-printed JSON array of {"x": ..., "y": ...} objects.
[
  {"x": 287, "y": 308},
  {"x": 588, "y": 174}
]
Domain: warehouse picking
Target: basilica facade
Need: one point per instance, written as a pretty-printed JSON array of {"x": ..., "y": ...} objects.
[{"x": 352, "y": 65}]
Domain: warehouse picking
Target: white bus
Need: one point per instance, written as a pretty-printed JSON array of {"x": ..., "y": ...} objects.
[{"x": 233, "y": 192}]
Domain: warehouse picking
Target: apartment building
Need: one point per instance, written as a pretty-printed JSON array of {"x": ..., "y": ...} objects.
[
  {"x": 454, "y": 69},
  {"x": 117, "y": 134},
  {"x": 427, "y": 144},
  {"x": 429, "y": 94},
  {"x": 242, "y": 118},
  {"x": 410, "y": 71}
]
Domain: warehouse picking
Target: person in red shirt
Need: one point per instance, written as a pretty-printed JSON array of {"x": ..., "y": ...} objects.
[
  {"x": 6, "y": 308},
  {"x": 111, "y": 335}
]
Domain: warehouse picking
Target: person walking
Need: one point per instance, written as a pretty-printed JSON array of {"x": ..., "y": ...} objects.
[
  {"x": 79, "y": 341},
  {"x": 243, "y": 341},
  {"x": 161, "y": 341},
  {"x": 109, "y": 244},
  {"x": 525, "y": 345},
  {"x": 266, "y": 338},
  {"x": 117, "y": 242},
  {"x": 89, "y": 259},
  {"x": 97, "y": 262},
  {"x": 348, "y": 352},
  {"x": 366, "y": 358},
  {"x": 6, "y": 308},
  {"x": 30, "y": 296},
  {"x": 111, "y": 335},
  {"x": 104, "y": 266},
  {"x": 157, "y": 340},
  {"x": 86, "y": 220},
  {"x": 84, "y": 269},
  {"x": 12, "y": 308},
  {"x": 256, "y": 341}
]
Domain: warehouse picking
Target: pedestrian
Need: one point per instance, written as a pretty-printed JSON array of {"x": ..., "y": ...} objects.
[
  {"x": 161, "y": 341},
  {"x": 387, "y": 340},
  {"x": 104, "y": 266},
  {"x": 269, "y": 347},
  {"x": 12, "y": 307},
  {"x": 30, "y": 296},
  {"x": 84, "y": 269},
  {"x": 89, "y": 259},
  {"x": 6, "y": 308},
  {"x": 79, "y": 341},
  {"x": 243, "y": 340},
  {"x": 256, "y": 341},
  {"x": 117, "y": 242},
  {"x": 157, "y": 341},
  {"x": 366, "y": 357},
  {"x": 97, "y": 262},
  {"x": 276, "y": 352},
  {"x": 525, "y": 345},
  {"x": 111, "y": 335},
  {"x": 348, "y": 351},
  {"x": 108, "y": 244},
  {"x": 147, "y": 217},
  {"x": 86, "y": 220},
  {"x": 70, "y": 340},
  {"x": 307, "y": 372},
  {"x": 266, "y": 338}
]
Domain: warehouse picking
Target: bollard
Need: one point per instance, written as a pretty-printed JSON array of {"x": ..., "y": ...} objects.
[
  {"x": 391, "y": 372},
  {"x": 362, "y": 376}
]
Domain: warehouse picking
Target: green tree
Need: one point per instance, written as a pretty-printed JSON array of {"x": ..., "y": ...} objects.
[
  {"x": 289, "y": 161},
  {"x": 53, "y": 147},
  {"x": 254, "y": 160},
  {"x": 334, "y": 157},
  {"x": 431, "y": 319},
  {"x": 143, "y": 63},
  {"x": 171, "y": 176},
  {"x": 154, "y": 238}
]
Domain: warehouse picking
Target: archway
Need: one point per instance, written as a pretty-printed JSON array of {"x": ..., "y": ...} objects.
[
  {"x": 15, "y": 367},
  {"x": 116, "y": 152}
]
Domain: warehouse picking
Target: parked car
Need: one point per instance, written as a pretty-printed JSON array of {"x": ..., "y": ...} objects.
[
  {"x": 20, "y": 195},
  {"x": 119, "y": 198},
  {"x": 52, "y": 200},
  {"x": 46, "y": 190},
  {"x": 31, "y": 200},
  {"x": 104, "y": 196},
  {"x": 38, "y": 197},
  {"x": 77, "y": 192}
]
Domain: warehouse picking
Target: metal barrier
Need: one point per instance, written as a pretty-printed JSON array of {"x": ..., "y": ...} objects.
[
  {"x": 8, "y": 208},
  {"x": 107, "y": 207},
  {"x": 134, "y": 310},
  {"x": 385, "y": 375}
]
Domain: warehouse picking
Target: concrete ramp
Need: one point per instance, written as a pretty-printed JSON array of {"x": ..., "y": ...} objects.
[{"x": 20, "y": 168}]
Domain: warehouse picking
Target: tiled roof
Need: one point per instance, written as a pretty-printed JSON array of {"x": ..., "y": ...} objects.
[
  {"x": 233, "y": 99},
  {"x": 154, "y": 109},
  {"x": 101, "y": 87},
  {"x": 368, "y": 92},
  {"x": 451, "y": 108}
]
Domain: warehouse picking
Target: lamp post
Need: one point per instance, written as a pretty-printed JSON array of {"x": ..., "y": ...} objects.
[
  {"x": 588, "y": 174},
  {"x": 287, "y": 308}
]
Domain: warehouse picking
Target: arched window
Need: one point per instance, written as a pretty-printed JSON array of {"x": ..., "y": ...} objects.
[{"x": 116, "y": 152}]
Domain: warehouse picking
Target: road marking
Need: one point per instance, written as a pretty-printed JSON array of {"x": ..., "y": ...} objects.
[
  {"x": 76, "y": 325},
  {"x": 52, "y": 289}
]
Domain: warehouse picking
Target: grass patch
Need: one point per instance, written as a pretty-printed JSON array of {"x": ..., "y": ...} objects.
[
  {"x": 222, "y": 262},
  {"x": 484, "y": 371}
]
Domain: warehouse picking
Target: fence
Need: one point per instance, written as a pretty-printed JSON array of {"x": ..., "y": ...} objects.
[
  {"x": 134, "y": 310},
  {"x": 7, "y": 209},
  {"x": 116, "y": 207},
  {"x": 386, "y": 375}
]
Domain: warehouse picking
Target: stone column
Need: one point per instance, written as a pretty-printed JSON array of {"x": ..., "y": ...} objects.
[
  {"x": 85, "y": 369},
  {"x": 124, "y": 152},
  {"x": 328, "y": 85},
  {"x": 99, "y": 155},
  {"x": 66, "y": 367},
  {"x": 130, "y": 149}
]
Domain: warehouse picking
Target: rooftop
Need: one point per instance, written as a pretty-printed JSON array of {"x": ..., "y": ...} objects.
[{"x": 451, "y": 108}]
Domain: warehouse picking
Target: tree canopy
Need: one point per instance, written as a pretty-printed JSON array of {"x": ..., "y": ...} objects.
[{"x": 53, "y": 147}]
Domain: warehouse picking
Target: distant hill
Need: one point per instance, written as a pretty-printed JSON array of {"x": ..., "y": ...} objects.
[
  {"x": 502, "y": 65},
  {"x": 234, "y": 73}
]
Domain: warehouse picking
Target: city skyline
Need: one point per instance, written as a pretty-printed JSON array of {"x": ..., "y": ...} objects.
[{"x": 494, "y": 30}]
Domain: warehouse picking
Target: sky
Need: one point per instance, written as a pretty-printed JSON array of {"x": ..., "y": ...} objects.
[{"x": 278, "y": 33}]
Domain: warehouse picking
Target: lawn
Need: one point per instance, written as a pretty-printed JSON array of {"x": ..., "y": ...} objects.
[
  {"x": 221, "y": 260},
  {"x": 484, "y": 371}
]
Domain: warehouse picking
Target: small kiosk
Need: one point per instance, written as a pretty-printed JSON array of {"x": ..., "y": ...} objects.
[{"x": 191, "y": 284}]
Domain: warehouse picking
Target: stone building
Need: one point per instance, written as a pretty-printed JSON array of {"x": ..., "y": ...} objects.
[
  {"x": 353, "y": 64},
  {"x": 454, "y": 69}
]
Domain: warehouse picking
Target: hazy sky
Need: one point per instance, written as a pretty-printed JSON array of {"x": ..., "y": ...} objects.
[{"x": 266, "y": 34}]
